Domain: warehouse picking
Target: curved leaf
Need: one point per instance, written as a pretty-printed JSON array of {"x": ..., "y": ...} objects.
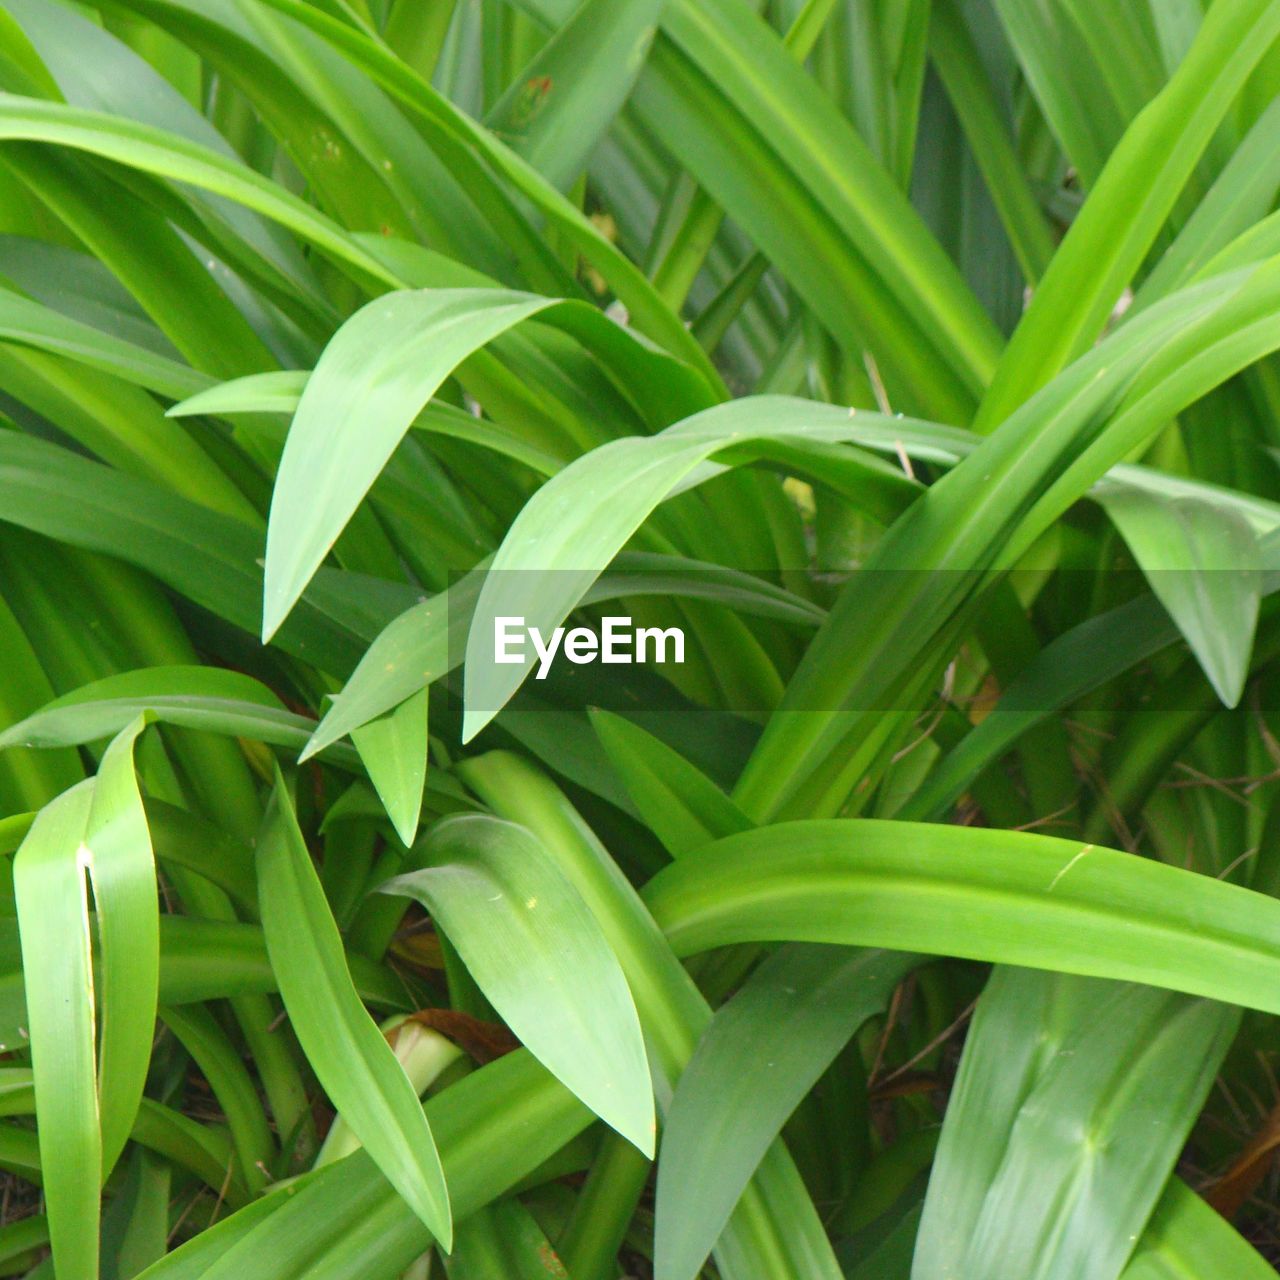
[
  {"x": 374, "y": 378},
  {"x": 122, "y": 870},
  {"x": 538, "y": 954},
  {"x": 350, "y": 1056},
  {"x": 579, "y": 520},
  {"x": 1008, "y": 896}
]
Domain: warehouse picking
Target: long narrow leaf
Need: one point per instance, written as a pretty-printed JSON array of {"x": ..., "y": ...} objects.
[{"x": 350, "y": 1056}]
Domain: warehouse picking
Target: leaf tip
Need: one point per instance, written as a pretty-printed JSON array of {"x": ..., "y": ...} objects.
[{"x": 472, "y": 723}]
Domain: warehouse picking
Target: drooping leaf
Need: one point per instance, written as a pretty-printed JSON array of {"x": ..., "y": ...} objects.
[
  {"x": 208, "y": 698},
  {"x": 1008, "y": 896},
  {"x": 347, "y": 1051},
  {"x": 567, "y": 534},
  {"x": 375, "y": 376},
  {"x": 539, "y": 956},
  {"x": 1204, "y": 566}
]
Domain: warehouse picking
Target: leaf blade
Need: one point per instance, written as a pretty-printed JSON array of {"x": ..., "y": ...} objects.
[
  {"x": 586, "y": 1030},
  {"x": 350, "y": 1056}
]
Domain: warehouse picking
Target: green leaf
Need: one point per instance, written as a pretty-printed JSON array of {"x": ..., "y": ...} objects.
[
  {"x": 562, "y": 103},
  {"x": 209, "y": 698},
  {"x": 679, "y": 803},
  {"x": 1007, "y": 896},
  {"x": 575, "y": 524},
  {"x": 540, "y": 957},
  {"x": 1241, "y": 197},
  {"x": 724, "y": 93},
  {"x": 776, "y": 1216},
  {"x": 53, "y": 910},
  {"x": 1127, "y": 208},
  {"x": 1076, "y": 662},
  {"x": 122, "y": 871},
  {"x": 427, "y": 640},
  {"x": 460, "y": 136},
  {"x": 1204, "y": 566},
  {"x": 211, "y": 559},
  {"x": 374, "y": 378},
  {"x": 199, "y": 960},
  {"x": 31, "y": 324},
  {"x": 757, "y": 1060},
  {"x": 985, "y": 515},
  {"x": 1188, "y": 1238},
  {"x": 1073, "y": 1101},
  {"x": 170, "y": 156},
  {"x": 504, "y": 1239},
  {"x": 346, "y": 1220},
  {"x": 350, "y": 1057},
  {"x": 393, "y": 748},
  {"x": 413, "y": 650},
  {"x": 959, "y": 64},
  {"x": 199, "y": 1033},
  {"x": 276, "y": 392}
]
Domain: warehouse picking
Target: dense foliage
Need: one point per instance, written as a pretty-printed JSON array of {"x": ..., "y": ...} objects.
[{"x": 917, "y": 359}]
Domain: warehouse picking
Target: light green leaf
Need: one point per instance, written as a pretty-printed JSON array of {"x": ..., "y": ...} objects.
[
  {"x": 276, "y": 392},
  {"x": 1039, "y": 1173},
  {"x": 1007, "y": 896},
  {"x": 209, "y": 698},
  {"x": 53, "y": 910},
  {"x": 571, "y": 529},
  {"x": 426, "y": 641},
  {"x": 1204, "y": 566},
  {"x": 373, "y": 379},
  {"x": 416, "y": 648},
  {"x": 349, "y": 1054},
  {"x": 1186, "y": 1237},
  {"x": 539, "y": 955},
  {"x": 393, "y": 748},
  {"x": 1127, "y": 208},
  {"x": 345, "y": 1220},
  {"x": 199, "y": 1033},
  {"x": 122, "y": 870}
]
